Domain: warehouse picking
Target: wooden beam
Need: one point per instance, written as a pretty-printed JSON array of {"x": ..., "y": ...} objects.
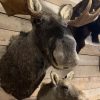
[
  {"x": 14, "y": 23},
  {"x": 93, "y": 94},
  {"x": 91, "y": 49},
  {"x": 80, "y": 72},
  {"x": 5, "y": 36},
  {"x": 61, "y": 2},
  {"x": 87, "y": 60}
]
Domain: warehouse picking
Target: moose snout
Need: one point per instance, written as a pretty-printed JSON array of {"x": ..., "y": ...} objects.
[
  {"x": 73, "y": 61},
  {"x": 66, "y": 61}
]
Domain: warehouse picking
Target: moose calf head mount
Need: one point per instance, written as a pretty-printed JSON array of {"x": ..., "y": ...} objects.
[{"x": 60, "y": 89}]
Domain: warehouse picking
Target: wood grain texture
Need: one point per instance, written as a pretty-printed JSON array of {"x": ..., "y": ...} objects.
[
  {"x": 61, "y": 2},
  {"x": 91, "y": 49},
  {"x": 5, "y": 36},
  {"x": 80, "y": 71},
  {"x": 93, "y": 94},
  {"x": 88, "y": 60},
  {"x": 14, "y": 23}
]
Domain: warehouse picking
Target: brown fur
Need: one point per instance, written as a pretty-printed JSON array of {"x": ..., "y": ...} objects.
[
  {"x": 61, "y": 89},
  {"x": 28, "y": 56}
]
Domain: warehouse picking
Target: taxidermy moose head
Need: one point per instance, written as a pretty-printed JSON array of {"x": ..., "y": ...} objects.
[
  {"x": 60, "y": 89},
  {"x": 28, "y": 55}
]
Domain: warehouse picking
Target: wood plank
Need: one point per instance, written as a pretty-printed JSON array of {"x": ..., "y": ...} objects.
[
  {"x": 5, "y": 36},
  {"x": 91, "y": 49},
  {"x": 83, "y": 83},
  {"x": 61, "y": 2},
  {"x": 87, "y": 71},
  {"x": 5, "y": 96},
  {"x": 93, "y": 94},
  {"x": 14, "y": 23},
  {"x": 88, "y": 60},
  {"x": 80, "y": 71}
]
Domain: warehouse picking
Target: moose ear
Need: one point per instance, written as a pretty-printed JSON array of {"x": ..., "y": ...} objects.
[
  {"x": 70, "y": 75},
  {"x": 54, "y": 78},
  {"x": 66, "y": 11}
]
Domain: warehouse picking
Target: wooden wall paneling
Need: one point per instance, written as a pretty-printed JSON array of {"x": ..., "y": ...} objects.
[
  {"x": 86, "y": 60},
  {"x": 14, "y": 23},
  {"x": 80, "y": 71},
  {"x": 93, "y": 94},
  {"x": 5, "y": 36},
  {"x": 91, "y": 49},
  {"x": 61, "y": 2}
]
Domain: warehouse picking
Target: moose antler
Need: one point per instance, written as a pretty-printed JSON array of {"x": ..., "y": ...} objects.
[
  {"x": 66, "y": 11},
  {"x": 85, "y": 17}
]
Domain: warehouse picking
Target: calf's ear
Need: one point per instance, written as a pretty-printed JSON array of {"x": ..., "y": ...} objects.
[
  {"x": 54, "y": 78},
  {"x": 70, "y": 75}
]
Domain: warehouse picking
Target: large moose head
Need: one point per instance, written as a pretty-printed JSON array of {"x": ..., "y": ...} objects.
[
  {"x": 28, "y": 56},
  {"x": 60, "y": 89}
]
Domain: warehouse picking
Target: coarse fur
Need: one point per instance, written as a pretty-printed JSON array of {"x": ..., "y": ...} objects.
[
  {"x": 60, "y": 89},
  {"x": 28, "y": 56}
]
